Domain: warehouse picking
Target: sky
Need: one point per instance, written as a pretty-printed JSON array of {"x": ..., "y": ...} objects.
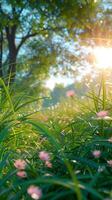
[{"x": 52, "y": 81}]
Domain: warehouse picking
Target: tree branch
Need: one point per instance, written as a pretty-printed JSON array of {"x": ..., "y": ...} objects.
[
  {"x": 24, "y": 38},
  {"x": 29, "y": 35}
]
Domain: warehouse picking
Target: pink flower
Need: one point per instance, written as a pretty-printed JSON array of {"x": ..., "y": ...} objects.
[
  {"x": 70, "y": 93},
  {"x": 43, "y": 155},
  {"x": 20, "y": 164},
  {"x": 102, "y": 114},
  {"x": 35, "y": 192},
  {"x": 96, "y": 153},
  {"x": 109, "y": 162},
  {"x": 48, "y": 164},
  {"x": 110, "y": 139},
  {"x": 45, "y": 118},
  {"x": 22, "y": 174}
]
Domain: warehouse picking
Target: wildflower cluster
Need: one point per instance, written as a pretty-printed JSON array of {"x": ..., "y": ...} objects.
[{"x": 34, "y": 191}]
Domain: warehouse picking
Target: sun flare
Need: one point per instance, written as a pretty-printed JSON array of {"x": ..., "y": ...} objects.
[{"x": 103, "y": 57}]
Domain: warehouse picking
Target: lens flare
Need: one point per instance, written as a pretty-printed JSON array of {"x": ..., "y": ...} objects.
[{"x": 103, "y": 57}]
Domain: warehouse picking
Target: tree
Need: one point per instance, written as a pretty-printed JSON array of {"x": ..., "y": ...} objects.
[{"x": 21, "y": 20}]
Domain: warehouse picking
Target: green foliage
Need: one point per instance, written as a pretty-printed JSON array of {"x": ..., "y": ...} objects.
[
  {"x": 59, "y": 93},
  {"x": 70, "y": 132},
  {"x": 29, "y": 29}
]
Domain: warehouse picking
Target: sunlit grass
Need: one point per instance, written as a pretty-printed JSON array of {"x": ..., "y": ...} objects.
[{"x": 71, "y": 133}]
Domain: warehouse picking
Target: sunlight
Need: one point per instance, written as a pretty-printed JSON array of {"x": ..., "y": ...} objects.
[
  {"x": 50, "y": 84},
  {"x": 53, "y": 80},
  {"x": 103, "y": 57}
]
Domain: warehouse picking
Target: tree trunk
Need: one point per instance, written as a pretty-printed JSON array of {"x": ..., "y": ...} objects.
[
  {"x": 1, "y": 53},
  {"x": 11, "y": 73},
  {"x": 12, "y": 63}
]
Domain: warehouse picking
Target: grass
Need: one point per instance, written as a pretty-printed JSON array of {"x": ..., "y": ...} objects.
[{"x": 69, "y": 132}]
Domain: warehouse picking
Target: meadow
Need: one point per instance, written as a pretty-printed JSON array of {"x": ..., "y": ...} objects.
[
  {"x": 56, "y": 100},
  {"x": 59, "y": 153}
]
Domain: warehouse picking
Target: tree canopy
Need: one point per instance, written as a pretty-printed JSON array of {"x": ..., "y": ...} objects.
[{"x": 28, "y": 31}]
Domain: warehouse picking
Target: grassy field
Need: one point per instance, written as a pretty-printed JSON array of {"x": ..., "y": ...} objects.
[{"x": 61, "y": 153}]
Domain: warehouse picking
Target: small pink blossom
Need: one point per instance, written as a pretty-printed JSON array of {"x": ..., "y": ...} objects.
[
  {"x": 109, "y": 162},
  {"x": 43, "y": 155},
  {"x": 22, "y": 174},
  {"x": 35, "y": 192},
  {"x": 102, "y": 114},
  {"x": 70, "y": 93},
  {"x": 96, "y": 153},
  {"x": 20, "y": 164},
  {"x": 48, "y": 164},
  {"x": 45, "y": 118},
  {"x": 110, "y": 139}
]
